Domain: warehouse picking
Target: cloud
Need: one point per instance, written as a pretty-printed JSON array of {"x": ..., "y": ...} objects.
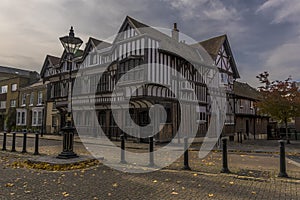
[
  {"x": 30, "y": 29},
  {"x": 281, "y": 10},
  {"x": 284, "y": 60}
]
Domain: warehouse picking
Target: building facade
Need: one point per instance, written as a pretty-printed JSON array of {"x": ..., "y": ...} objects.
[
  {"x": 247, "y": 120},
  {"x": 31, "y": 111},
  {"x": 101, "y": 65},
  {"x": 9, "y": 93}
]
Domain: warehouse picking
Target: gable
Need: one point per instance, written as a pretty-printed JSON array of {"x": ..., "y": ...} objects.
[
  {"x": 223, "y": 60},
  {"x": 219, "y": 50},
  {"x": 50, "y": 62},
  {"x": 129, "y": 29}
]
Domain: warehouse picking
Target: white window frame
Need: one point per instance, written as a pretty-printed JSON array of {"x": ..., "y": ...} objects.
[
  {"x": 20, "y": 114},
  {"x": 24, "y": 99},
  {"x": 14, "y": 87},
  {"x": 40, "y": 98},
  {"x": 4, "y": 89},
  {"x": 37, "y": 116},
  {"x": 31, "y": 100},
  {"x": 3, "y": 104},
  {"x": 201, "y": 114},
  {"x": 13, "y": 103}
]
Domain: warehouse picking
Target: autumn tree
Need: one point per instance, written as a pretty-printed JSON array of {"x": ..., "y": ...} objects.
[{"x": 280, "y": 99}]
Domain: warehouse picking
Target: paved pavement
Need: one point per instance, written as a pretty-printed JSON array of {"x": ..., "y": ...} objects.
[
  {"x": 254, "y": 166},
  {"x": 101, "y": 182}
]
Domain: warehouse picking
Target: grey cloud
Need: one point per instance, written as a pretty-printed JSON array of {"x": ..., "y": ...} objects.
[{"x": 31, "y": 28}]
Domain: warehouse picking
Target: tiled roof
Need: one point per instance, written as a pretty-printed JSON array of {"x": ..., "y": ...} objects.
[
  {"x": 38, "y": 84},
  {"x": 9, "y": 72},
  {"x": 97, "y": 42},
  {"x": 245, "y": 90},
  {"x": 172, "y": 46},
  {"x": 55, "y": 60},
  {"x": 213, "y": 45}
]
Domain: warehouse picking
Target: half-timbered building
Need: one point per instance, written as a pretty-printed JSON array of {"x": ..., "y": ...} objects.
[{"x": 102, "y": 65}]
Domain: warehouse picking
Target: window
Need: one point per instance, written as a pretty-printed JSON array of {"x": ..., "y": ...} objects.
[
  {"x": 93, "y": 59},
  {"x": 2, "y": 104},
  {"x": 14, "y": 87},
  {"x": 251, "y": 105},
  {"x": 13, "y": 103},
  {"x": 224, "y": 78},
  {"x": 37, "y": 117},
  {"x": 229, "y": 120},
  {"x": 102, "y": 118},
  {"x": 53, "y": 121},
  {"x": 34, "y": 117},
  {"x": 4, "y": 89},
  {"x": 31, "y": 99},
  {"x": 87, "y": 118},
  {"x": 40, "y": 98},
  {"x": 201, "y": 114},
  {"x": 241, "y": 104},
  {"x": 21, "y": 117},
  {"x": 78, "y": 119},
  {"x": 24, "y": 99},
  {"x": 40, "y": 117},
  {"x": 18, "y": 117}
]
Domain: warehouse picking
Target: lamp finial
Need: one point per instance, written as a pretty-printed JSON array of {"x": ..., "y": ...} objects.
[{"x": 71, "y": 34}]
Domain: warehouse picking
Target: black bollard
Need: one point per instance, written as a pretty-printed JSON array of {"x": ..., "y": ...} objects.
[
  {"x": 4, "y": 141},
  {"x": 123, "y": 161},
  {"x": 186, "y": 155},
  {"x": 225, "y": 161},
  {"x": 36, "y": 144},
  {"x": 282, "y": 172},
  {"x": 13, "y": 145},
  {"x": 24, "y": 141},
  {"x": 151, "y": 155},
  {"x": 241, "y": 137}
]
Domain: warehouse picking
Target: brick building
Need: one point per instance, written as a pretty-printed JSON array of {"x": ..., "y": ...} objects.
[{"x": 11, "y": 81}]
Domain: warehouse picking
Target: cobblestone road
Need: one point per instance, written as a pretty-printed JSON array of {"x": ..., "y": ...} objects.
[{"x": 101, "y": 182}]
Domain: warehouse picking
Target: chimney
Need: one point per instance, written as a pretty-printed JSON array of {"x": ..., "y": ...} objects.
[{"x": 175, "y": 33}]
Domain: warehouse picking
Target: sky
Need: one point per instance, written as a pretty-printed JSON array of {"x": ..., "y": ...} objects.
[{"x": 264, "y": 34}]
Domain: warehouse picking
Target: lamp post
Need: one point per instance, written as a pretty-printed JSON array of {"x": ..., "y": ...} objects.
[{"x": 71, "y": 44}]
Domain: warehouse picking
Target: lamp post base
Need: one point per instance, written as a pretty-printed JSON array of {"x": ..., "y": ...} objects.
[
  {"x": 68, "y": 143},
  {"x": 67, "y": 155}
]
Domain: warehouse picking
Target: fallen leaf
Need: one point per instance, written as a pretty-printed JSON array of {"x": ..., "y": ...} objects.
[
  {"x": 155, "y": 181},
  {"x": 210, "y": 195},
  {"x": 9, "y": 185},
  {"x": 231, "y": 182},
  {"x": 174, "y": 193},
  {"x": 115, "y": 185},
  {"x": 65, "y": 194}
]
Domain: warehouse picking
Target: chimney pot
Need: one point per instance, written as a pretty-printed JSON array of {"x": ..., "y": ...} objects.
[{"x": 175, "y": 33}]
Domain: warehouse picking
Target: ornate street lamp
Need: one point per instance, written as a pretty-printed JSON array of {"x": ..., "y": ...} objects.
[{"x": 71, "y": 45}]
